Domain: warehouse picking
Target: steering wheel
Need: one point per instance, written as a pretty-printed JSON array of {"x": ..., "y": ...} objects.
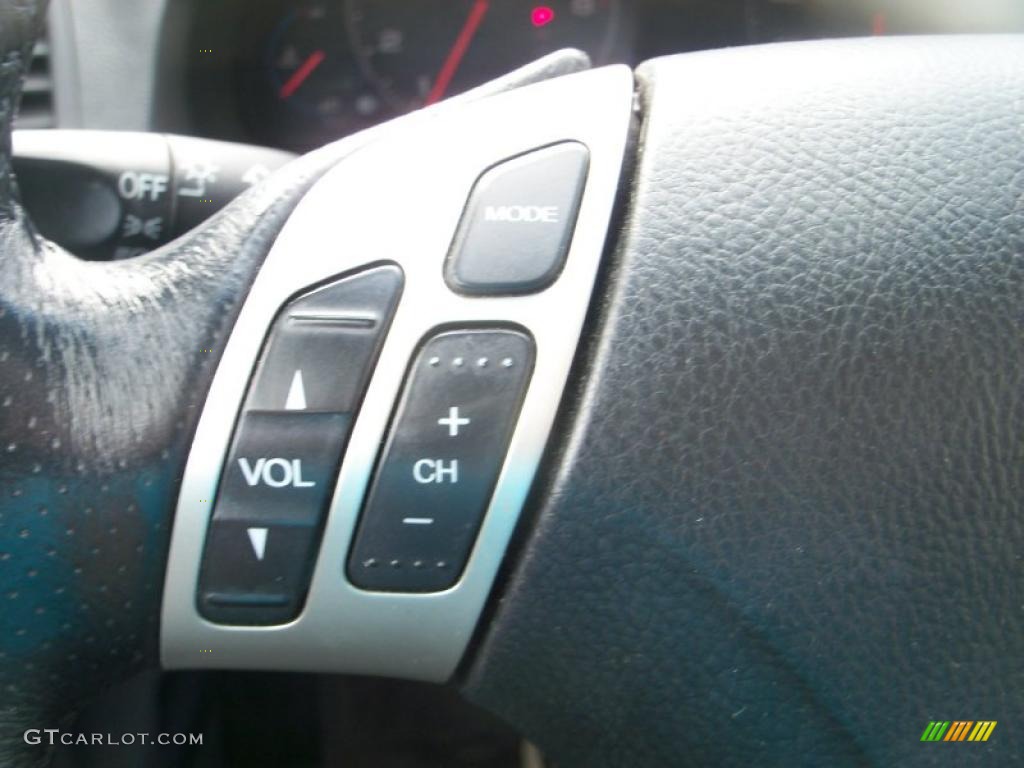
[{"x": 774, "y": 519}]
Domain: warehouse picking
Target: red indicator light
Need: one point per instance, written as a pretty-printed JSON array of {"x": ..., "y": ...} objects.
[{"x": 541, "y": 16}]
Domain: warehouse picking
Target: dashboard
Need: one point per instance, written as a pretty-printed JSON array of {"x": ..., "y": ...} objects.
[{"x": 295, "y": 74}]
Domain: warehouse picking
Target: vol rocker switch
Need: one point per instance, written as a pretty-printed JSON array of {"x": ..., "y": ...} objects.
[
  {"x": 280, "y": 472},
  {"x": 447, "y": 445}
]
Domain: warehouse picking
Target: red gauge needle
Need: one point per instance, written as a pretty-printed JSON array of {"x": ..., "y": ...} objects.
[
  {"x": 454, "y": 57},
  {"x": 299, "y": 75}
]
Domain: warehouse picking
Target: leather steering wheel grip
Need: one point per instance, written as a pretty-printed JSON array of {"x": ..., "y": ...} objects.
[
  {"x": 103, "y": 371},
  {"x": 784, "y": 523}
]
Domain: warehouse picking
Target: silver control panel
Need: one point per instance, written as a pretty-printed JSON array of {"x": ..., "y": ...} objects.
[{"x": 400, "y": 202}]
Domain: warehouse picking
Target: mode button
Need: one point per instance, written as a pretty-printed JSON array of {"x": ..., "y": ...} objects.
[{"x": 515, "y": 232}]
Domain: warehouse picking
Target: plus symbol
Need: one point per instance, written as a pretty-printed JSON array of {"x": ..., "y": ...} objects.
[{"x": 453, "y": 422}]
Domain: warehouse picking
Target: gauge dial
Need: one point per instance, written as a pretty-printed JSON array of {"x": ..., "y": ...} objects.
[
  {"x": 417, "y": 53},
  {"x": 311, "y": 69}
]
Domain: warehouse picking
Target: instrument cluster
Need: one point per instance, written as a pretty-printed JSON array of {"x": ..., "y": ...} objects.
[{"x": 298, "y": 73}]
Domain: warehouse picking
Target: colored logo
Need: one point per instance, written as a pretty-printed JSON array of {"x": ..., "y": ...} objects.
[{"x": 958, "y": 730}]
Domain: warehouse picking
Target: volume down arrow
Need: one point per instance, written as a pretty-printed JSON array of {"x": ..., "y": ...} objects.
[{"x": 258, "y": 539}]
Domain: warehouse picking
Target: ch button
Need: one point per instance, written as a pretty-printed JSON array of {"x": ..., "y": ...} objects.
[{"x": 447, "y": 444}]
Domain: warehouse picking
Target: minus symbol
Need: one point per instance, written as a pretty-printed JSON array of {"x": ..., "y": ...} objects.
[{"x": 418, "y": 520}]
